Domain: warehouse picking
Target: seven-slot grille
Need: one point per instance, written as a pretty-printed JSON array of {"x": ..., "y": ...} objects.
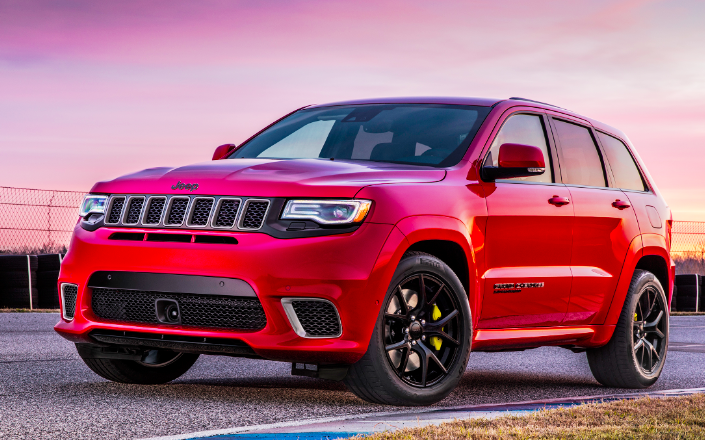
[
  {"x": 241, "y": 313},
  {"x": 186, "y": 212}
]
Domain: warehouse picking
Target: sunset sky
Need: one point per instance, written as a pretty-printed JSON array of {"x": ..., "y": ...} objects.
[{"x": 90, "y": 90}]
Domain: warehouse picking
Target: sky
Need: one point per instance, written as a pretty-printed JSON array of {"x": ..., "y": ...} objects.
[{"x": 92, "y": 90}]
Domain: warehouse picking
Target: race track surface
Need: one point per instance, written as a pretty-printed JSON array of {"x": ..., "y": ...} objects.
[{"x": 47, "y": 392}]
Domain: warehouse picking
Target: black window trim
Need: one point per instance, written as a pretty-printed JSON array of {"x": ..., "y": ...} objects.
[
  {"x": 601, "y": 154},
  {"x": 554, "y": 160},
  {"x": 636, "y": 163}
]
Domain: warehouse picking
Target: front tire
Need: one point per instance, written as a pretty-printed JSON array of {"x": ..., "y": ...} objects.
[
  {"x": 421, "y": 342},
  {"x": 635, "y": 355},
  {"x": 156, "y": 367}
]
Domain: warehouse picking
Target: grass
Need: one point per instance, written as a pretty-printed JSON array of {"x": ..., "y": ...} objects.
[
  {"x": 687, "y": 313},
  {"x": 646, "y": 418},
  {"x": 29, "y": 311}
]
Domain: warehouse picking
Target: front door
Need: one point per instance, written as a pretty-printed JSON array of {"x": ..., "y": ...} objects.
[{"x": 528, "y": 236}]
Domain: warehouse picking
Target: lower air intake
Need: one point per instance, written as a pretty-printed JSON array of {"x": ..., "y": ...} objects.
[
  {"x": 69, "y": 293},
  {"x": 313, "y": 318},
  {"x": 219, "y": 311}
]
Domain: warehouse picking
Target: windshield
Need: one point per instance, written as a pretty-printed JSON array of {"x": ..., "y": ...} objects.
[{"x": 436, "y": 135}]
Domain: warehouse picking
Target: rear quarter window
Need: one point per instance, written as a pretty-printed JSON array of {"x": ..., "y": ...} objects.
[{"x": 626, "y": 173}]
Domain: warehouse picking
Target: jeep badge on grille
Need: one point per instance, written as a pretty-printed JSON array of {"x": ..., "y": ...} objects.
[{"x": 188, "y": 186}]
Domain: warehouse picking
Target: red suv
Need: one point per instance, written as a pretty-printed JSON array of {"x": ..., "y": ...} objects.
[{"x": 377, "y": 242}]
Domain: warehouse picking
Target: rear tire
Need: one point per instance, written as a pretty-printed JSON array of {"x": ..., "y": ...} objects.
[
  {"x": 171, "y": 366},
  {"x": 635, "y": 355},
  {"x": 391, "y": 376}
]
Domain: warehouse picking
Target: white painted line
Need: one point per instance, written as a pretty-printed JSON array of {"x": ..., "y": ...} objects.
[{"x": 464, "y": 409}]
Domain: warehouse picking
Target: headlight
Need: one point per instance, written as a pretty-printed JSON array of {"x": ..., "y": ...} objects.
[
  {"x": 93, "y": 204},
  {"x": 327, "y": 212}
]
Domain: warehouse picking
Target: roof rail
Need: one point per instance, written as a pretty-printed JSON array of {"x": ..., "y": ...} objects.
[{"x": 516, "y": 98}]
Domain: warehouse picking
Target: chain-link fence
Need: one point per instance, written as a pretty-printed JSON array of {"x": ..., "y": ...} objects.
[
  {"x": 40, "y": 221},
  {"x": 688, "y": 247},
  {"x": 35, "y": 221}
]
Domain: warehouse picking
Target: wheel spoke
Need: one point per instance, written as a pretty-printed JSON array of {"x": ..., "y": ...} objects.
[
  {"x": 444, "y": 335},
  {"x": 653, "y": 303},
  {"x": 650, "y": 352},
  {"x": 404, "y": 361},
  {"x": 438, "y": 292},
  {"x": 638, "y": 345},
  {"x": 397, "y": 317},
  {"x": 438, "y": 325},
  {"x": 421, "y": 350},
  {"x": 422, "y": 292},
  {"x": 655, "y": 322},
  {"x": 402, "y": 300},
  {"x": 397, "y": 345}
]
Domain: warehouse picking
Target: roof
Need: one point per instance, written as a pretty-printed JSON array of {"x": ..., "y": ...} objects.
[{"x": 482, "y": 102}]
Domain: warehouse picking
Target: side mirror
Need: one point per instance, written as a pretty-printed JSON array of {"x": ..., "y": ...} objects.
[
  {"x": 223, "y": 151},
  {"x": 516, "y": 160}
]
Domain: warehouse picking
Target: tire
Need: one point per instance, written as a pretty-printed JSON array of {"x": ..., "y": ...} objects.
[
  {"x": 18, "y": 297},
  {"x": 393, "y": 377},
  {"x": 138, "y": 372},
  {"x": 17, "y": 279},
  {"x": 48, "y": 262},
  {"x": 627, "y": 361},
  {"x": 10, "y": 263}
]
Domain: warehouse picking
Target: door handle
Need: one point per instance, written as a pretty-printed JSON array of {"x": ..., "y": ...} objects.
[
  {"x": 559, "y": 201},
  {"x": 621, "y": 204}
]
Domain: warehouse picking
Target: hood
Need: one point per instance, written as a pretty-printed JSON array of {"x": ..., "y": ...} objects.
[{"x": 270, "y": 178}]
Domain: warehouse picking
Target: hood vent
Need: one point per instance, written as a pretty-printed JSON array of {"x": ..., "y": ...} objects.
[{"x": 187, "y": 212}]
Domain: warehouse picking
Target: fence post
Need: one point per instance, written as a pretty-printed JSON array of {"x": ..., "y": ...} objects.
[{"x": 29, "y": 278}]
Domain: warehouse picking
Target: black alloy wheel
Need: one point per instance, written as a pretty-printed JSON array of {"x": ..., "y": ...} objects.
[
  {"x": 649, "y": 330},
  {"x": 420, "y": 344},
  {"x": 635, "y": 355},
  {"x": 421, "y": 330}
]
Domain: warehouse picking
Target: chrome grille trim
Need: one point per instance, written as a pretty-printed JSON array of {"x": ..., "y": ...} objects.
[
  {"x": 148, "y": 207},
  {"x": 111, "y": 205},
  {"x": 170, "y": 207},
  {"x": 127, "y": 210},
  {"x": 192, "y": 211},
  {"x": 219, "y": 206},
  {"x": 233, "y": 220},
  {"x": 243, "y": 213}
]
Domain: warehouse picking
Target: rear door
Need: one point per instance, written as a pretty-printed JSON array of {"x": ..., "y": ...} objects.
[
  {"x": 605, "y": 223},
  {"x": 528, "y": 239}
]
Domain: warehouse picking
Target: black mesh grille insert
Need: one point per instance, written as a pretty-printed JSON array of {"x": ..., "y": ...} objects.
[
  {"x": 134, "y": 209},
  {"x": 196, "y": 310},
  {"x": 116, "y": 210},
  {"x": 154, "y": 212},
  {"x": 227, "y": 213},
  {"x": 201, "y": 212},
  {"x": 254, "y": 215},
  {"x": 177, "y": 211},
  {"x": 318, "y": 318},
  {"x": 70, "y": 292}
]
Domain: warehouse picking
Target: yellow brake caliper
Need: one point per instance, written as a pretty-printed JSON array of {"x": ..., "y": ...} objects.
[{"x": 436, "y": 342}]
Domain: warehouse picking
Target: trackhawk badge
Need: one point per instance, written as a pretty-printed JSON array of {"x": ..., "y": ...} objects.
[
  {"x": 515, "y": 287},
  {"x": 188, "y": 186}
]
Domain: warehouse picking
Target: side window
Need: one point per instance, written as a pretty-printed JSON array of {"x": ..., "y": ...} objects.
[
  {"x": 526, "y": 130},
  {"x": 626, "y": 173},
  {"x": 580, "y": 159},
  {"x": 307, "y": 141}
]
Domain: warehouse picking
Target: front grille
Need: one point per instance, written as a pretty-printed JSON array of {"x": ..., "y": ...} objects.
[
  {"x": 69, "y": 292},
  {"x": 317, "y": 318},
  {"x": 255, "y": 211},
  {"x": 188, "y": 211},
  {"x": 134, "y": 209},
  {"x": 116, "y": 210},
  {"x": 201, "y": 212},
  {"x": 177, "y": 211},
  {"x": 238, "y": 313},
  {"x": 154, "y": 210},
  {"x": 227, "y": 213}
]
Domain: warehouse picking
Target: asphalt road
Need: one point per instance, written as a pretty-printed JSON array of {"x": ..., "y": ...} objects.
[{"x": 47, "y": 392}]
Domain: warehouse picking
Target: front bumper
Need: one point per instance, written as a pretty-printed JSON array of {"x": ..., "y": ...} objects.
[{"x": 347, "y": 269}]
